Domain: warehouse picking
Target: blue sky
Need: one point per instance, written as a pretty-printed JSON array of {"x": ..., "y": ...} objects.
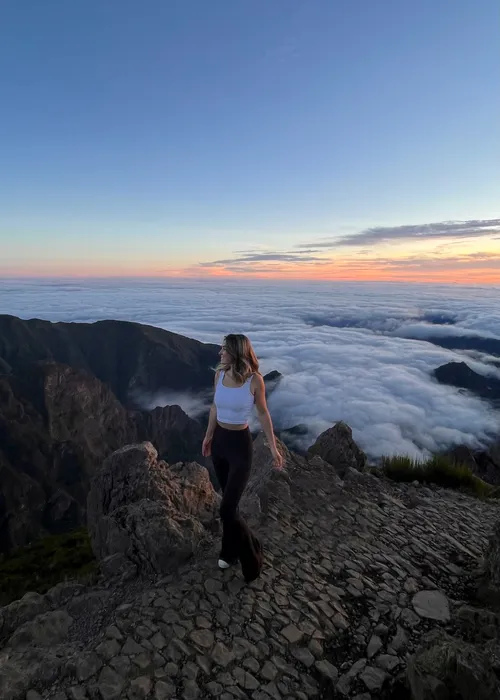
[{"x": 160, "y": 135}]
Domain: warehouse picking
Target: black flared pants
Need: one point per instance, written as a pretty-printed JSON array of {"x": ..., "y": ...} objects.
[{"x": 232, "y": 460}]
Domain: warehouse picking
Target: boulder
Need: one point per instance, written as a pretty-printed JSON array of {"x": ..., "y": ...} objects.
[
  {"x": 337, "y": 447},
  {"x": 431, "y": 605},
  {"x": 45, "y": 630},
  {"x": 265, "y": 481},
  {"x": 20, "y": 611},
  {"x": 153, "y": 514},
  {"x": 445, "y": 668},
  {"x": 20, "y": 670}
]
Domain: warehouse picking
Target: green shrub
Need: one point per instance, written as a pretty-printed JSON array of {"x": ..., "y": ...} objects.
[
  {"x": 45, "y": 562},
  {"x": 440, "y": 470}
]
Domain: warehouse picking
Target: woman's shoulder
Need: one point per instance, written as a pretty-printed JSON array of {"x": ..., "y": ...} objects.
[{"x": 256, "y": 379}]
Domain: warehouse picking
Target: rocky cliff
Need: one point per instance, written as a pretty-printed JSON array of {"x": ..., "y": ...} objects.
[
  {"x": 49, "y": 456},
  {"x": 68, "y": 395},
  {"x": 369, "y": 591}
]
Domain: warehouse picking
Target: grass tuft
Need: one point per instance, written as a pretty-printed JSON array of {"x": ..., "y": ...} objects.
[{"x": 440, "y": 470}]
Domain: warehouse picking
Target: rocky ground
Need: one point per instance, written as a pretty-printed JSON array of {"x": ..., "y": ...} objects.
[{"x": 357, "y": 571}]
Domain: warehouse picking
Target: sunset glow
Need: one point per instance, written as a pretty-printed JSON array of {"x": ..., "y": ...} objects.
[{"x": 287, "y": 141}]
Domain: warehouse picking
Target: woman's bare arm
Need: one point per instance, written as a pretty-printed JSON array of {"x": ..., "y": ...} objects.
[
  {"x": 265, "y": 418},
  {"x": 212, "y": 422}
]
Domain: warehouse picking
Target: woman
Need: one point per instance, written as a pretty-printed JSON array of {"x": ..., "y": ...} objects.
[{"x": 238, "y": 386}]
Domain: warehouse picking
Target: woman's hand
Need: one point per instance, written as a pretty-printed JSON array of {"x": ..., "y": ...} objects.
[
  {"x": 277, "y": 458},
  {"x": 206, "y": 448}
]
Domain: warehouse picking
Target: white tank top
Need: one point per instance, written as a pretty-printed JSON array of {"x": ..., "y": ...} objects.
[{"x": 234, "y": 404}]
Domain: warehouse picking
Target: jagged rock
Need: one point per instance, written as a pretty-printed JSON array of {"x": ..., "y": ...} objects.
[
  {"x": 484, "y": 463},
  {"x": 272, "y": 380},
  {"x": 110, "y": 684},
  {"x": 20, "y": 611},
  {"x": 489, "y": 588},
  {"x": 317, "y": 462},
  {"x": 373, "y": 677},
  {"x": 87, "y": 665},
  {"x": 399, "y": 642},
  {"x": 265, "y": 481},
  {"x": 153, "y": 514},
  {"x": 374, "y": 646},
  {"x": 175, "y": 435},
  {"x": 337, "y": 447},
  {"x": 445, "y": 668},
  {"x": 477, "y": 624},
  {"x": 67, "y": 391},
  {"x": 18, "y": 671},
  {"x": 45, "y": 630},
  {"x": 62, "y": 592},
  {"x": 89, "y": 603},
  {"x": 118, "y": 565}
]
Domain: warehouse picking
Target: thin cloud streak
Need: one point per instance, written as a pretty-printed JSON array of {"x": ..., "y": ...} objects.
[
  {"x": 430, "y": 267},
  {"x": 458, "y": 230},
  {"x": 262, "y": 257},
  {"x": 324, "y": 259}
]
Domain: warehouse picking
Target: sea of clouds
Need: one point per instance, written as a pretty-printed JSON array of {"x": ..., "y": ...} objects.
[{"x": 357, "y": 352}]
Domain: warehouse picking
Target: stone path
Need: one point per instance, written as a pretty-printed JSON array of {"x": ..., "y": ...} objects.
[{"x": 355, "y": 573}]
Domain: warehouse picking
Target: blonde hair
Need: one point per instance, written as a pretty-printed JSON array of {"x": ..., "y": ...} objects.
[{"x": 244, "y": 361}]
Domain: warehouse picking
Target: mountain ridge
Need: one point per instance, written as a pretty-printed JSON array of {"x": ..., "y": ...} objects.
[
  {"x": 130, "y": 357},
  {"x": 68, "y": 398}
]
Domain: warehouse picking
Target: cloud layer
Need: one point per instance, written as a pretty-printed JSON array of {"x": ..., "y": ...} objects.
[{"x": 352, "y": 352}]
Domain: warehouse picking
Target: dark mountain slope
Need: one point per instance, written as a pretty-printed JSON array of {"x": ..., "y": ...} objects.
[
  {"x": 460, "y": 375},
  {"x": 131, "y": 358},
  {"x": 57, "y": 424}
]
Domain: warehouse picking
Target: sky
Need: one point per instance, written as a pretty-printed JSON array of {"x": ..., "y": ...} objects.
[
  {"x": 357, "y": 352},
  {"x": 325, "y": 140}
]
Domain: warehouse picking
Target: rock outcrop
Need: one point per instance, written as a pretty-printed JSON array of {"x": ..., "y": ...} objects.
[
  {"x": 460, "y": 375},
  {"x": 367, "y": 593},
  {"x": 272, "y": 381},
  {"x": 151, "y": 514},
  {"x": 337, "y": 447},
  {"x": 175, "y": 435},
  {"x": 57, "y": 425},
  {"x": 466, "y": 663},
  {"x": 265, "y": 481},
  {"x": 489, "y": 589},
  {"x": 445, "y": 668},
  {"x": 484, "y": 463}
]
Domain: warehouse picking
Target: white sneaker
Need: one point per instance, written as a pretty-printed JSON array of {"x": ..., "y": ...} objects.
[{"x": 223, "y": 564}]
